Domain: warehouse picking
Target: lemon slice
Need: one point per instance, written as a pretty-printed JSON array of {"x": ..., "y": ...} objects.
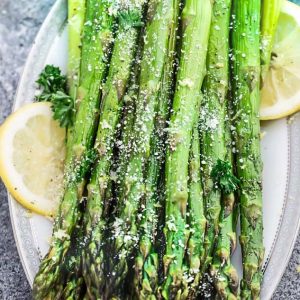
[
  {"x": 32, "y": 153},
  {"x": 281, "y": 90}
]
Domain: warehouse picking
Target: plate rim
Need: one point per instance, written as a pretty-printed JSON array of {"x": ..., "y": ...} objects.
[{"x": 279, "y": 259}]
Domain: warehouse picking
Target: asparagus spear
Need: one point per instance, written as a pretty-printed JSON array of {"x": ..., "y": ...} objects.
[
  {"x": 146, "y": 261},
  {"x": 97, "y": 37},
  {"x": 196, "y": 19},
  {"x": 126, "y": 136},
  {"x": 76, "y": 15},
  {"x": 129, "y": 19},
  {"x": 269, "y": 20},
  {"x": 160, "y": 20},
  {"x": 246, "y": 75},
  {"x": 223, "y": 272},
  {"x": 196, "y": 220},
  {"x": 213, "y": 113},
  {"x": 75, "y": 286},
  {"x": 126, "y": 139}
]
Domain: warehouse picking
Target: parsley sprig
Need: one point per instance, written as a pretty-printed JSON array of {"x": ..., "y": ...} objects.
[
  {"x": 223, "y": 177},
  {"x": 53, "y": 89}
]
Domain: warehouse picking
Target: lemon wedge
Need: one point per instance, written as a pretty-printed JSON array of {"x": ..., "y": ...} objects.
[
  {"x": 281, "y": 91},
  {"x": 32, "y": 153}
]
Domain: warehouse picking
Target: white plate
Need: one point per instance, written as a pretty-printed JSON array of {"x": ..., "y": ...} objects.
[{"x": 281, "y": 179}]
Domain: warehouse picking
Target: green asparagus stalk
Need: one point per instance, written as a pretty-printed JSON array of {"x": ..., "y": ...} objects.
[
  {"x": 213, "y": 112},
  {"x": 160, "y": 21},
  {"x": 269, "y": 19},
  {"x": 126, "y": 136},
  {"x": 97, "y": 36},
  {"x": 246, "y": 75},
  {"x": 75, "y": 286},
  {"x": 146, "y": 261},
  {"x": 223, "y": 272},
  {"x": 76, "y": 15},
  {"x": 196, "y": 221},
  {"x": 196, "y": 18},
  {"x": 126, "y": 140},
  {"x": 129, "y": 19}
]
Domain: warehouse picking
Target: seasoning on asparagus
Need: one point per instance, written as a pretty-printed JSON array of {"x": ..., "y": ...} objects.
[
  {"x": 97, "y": 37},
  {"x": 196, "y": 18},
  {"x": 246, "y": 101},
  {"x": 160, "y": 21}
]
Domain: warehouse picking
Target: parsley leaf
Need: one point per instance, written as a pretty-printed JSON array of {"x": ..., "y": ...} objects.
[
  {"x": 63, "y": 109},
  {"x": 53, "y": 87},
  {"x": 51, "y": 80},
  {"x": 223, "y": 177}
]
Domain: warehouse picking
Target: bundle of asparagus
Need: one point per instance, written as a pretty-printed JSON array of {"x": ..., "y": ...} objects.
[{"x": 163, "y": 134}]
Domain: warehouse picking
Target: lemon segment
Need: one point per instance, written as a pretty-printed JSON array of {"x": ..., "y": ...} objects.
[
  {"x": 280, "y": 95},
  {"x": 32, "y": 153}
]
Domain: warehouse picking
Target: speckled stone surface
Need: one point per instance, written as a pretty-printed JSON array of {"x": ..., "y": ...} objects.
[{"x": 19, "y": 23}]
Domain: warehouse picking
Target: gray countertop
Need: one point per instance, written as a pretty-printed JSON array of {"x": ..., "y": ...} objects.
[{"x": 19, "y": 22}]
